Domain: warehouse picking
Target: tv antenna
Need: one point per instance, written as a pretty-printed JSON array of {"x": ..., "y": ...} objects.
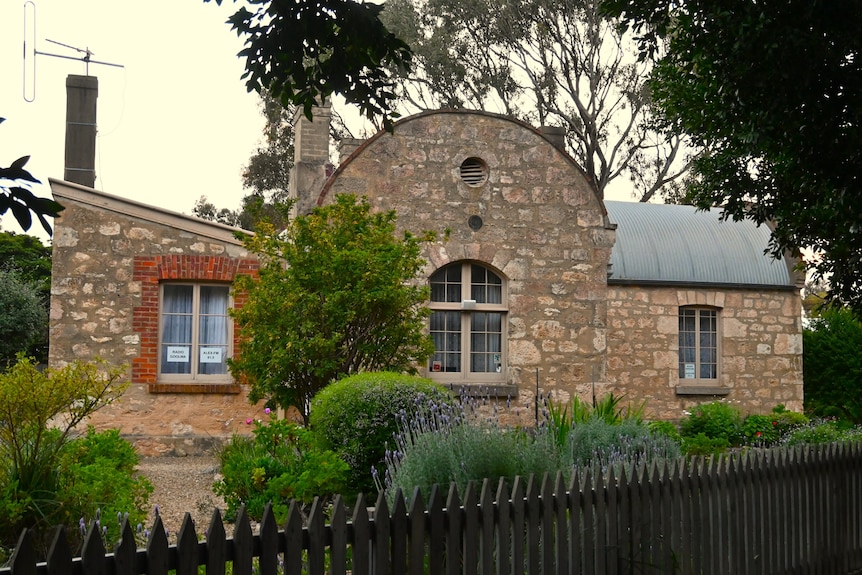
[{"x": 85, "y": 55}]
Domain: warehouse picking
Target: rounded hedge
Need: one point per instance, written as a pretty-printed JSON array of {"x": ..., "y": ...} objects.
[{"x": 358, "y": 416}]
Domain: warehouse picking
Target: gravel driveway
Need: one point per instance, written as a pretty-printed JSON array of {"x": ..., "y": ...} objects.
[{"x": 180, "y": 485}]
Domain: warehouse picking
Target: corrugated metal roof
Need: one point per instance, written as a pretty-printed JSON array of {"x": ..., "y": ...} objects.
[{"x": 679, "y": 244}]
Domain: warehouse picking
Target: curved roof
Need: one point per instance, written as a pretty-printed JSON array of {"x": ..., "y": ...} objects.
[{"x": 673, "y": 244}]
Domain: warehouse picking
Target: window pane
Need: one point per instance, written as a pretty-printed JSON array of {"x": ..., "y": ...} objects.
[
  {"x": 178, "y": 299},
  {"x": 486, "y": 342},
  {"x": 214, "y": 300},
  {"x": 446, "y": 335},
  {"x": 176, "y": 359},
  {"x": 446, "y": 284},
  {"x": 486, "y": 286},
  {"x": 176, "y": 349}
]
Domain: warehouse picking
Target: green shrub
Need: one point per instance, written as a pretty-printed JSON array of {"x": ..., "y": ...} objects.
[
  {"x": 97, "y": 475},
  {"x": 716, "y": 420},
  {"x": 47, "y": 477},
  {"x": 760, "y": 430},
  {"x": 439, "y": 453},
  {"x": 279, "y": 463},
  {"x": 600, "y": 443},
  {"x": 358, "y": 416},
  {"x": 702, "y": 444},
  {"x": 768, "y": 430},
  {"x": 665, "y": 428},
  {"x": 450, "y": 446},
  {"x": 822, "y": 431}
]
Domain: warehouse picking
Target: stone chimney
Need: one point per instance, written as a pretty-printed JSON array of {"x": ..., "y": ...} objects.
[
  {"x": 310, "y": 157},
  {"x": 556, "y": 134},
  {"x": 81, "y": 95},
  {"x": 347, "y": 147}
]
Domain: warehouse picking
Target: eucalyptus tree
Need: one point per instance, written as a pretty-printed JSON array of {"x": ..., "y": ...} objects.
[{"x": 548, "y": 62}]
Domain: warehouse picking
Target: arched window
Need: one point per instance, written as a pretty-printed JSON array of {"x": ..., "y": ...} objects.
[{"x": 468, "y": 324}]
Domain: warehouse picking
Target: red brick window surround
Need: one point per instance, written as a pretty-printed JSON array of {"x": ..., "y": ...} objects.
[{"x": 150, "y": 271}]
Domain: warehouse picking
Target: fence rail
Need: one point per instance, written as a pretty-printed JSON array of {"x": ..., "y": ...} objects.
[{"x": 796, "y": 510}]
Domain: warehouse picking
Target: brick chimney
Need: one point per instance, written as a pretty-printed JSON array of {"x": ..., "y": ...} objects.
[
  {"x": 310, "y": 155},
  {"x": 80, "y": 164}
]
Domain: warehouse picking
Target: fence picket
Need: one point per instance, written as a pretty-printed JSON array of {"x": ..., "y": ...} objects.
[
  {"x": 124, "y": 551},
  {"x": 453, "y": 531},
  {"x": 338, "y": 527},
  {"x": 437, "y": 531},
  {"x": 471, "y": 528},
  {"x": 187, "y": 548},
  {"x": 361, "y": 564},
  {"x": 546, "y": 519},
  {"x": 216, "y": 545},
  {"x": 533, "y": 526},
  {"x": 59, "y": 559},
  {"x": 488, "y": 525},
  {"x": 398, "y": 524},
  {"x": 416, "y": 558},
  {"x": 575, "y": 523},
  {"x": 587, "y": 504},
  {"x": 316, "y": 563},
  {"x": 23, "y": 561},
  {"x": 562, "y": 535},
  {"x": 243, "y": 544},
  {"x": 268, "y": 560},
  {"x": 381, "y": 535},
  {"x": 601, "y": 514},
  {"x": 519, "y": 526},
  {"x": 157, "y": 549},
  {"x": 504, "y": 529}
]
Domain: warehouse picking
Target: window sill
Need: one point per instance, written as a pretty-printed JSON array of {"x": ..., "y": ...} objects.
[
  {"x": 702, "y": 390},
  {"x": 226, "y": 388},
  {"x": 484, "y": 389}
]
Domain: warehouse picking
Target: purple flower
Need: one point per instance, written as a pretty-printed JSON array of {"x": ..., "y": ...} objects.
[{"x": 266, "y": 411}]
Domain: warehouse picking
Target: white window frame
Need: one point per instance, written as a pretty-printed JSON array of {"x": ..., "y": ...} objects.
[
  {"x": 701, "y": 313},
  {"x": 467, "y": 307},
  {"x": 194, "y": 352}
]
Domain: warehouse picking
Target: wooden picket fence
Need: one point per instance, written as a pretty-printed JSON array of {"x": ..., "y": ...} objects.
[{"x": 796, "y": 510}]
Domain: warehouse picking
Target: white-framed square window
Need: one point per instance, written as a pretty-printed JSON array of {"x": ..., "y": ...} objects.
[
  {"x": 467, "y": 325},
  {"x": 194, "y": 332},
  {"x": 698, "y": 344}
]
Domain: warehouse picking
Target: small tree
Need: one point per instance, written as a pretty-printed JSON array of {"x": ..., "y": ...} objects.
[
  {"x": 40, "y": 414},
  {"x": 832, "y": 364},
  {"x": 23, "y": 317},
  {"x": 334, "y": 297}
]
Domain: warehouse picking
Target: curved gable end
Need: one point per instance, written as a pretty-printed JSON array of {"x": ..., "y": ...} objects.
[{"x": 679, "y": 245}]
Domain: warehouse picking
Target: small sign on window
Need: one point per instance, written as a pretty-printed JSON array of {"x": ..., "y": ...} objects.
[
  {"x": 689, "y": 371},
  {"x": 178, "y": 354},
  {"x": 436, "y": 366},
  {"x": 211, "y": 355}
]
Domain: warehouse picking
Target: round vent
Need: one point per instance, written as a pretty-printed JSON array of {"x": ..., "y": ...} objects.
[{"x": 474, "y": 171}]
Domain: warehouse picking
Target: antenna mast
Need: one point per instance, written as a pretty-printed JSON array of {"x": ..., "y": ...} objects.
[{"x": 30, "y": 33}]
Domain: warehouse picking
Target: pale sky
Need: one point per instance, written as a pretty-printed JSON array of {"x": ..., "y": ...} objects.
[{"x": 175, "y": 123}]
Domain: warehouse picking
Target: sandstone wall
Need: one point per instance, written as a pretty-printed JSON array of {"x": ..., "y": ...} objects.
[
  {"x": 760, "y": 334},
  {"x": 543, "y": 229},
  {"x": 109, "y": 257}
]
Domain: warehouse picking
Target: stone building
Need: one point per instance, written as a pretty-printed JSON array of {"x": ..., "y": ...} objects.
[{"x": 535, "y": 282}]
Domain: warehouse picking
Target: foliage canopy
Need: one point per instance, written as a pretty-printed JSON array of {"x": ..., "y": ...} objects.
[
  {"x": 304, "y": 51},
  {"x": 333, "y": 298},
  {"x": 23, "y": 316},
  {"x": 15, "y": 195},
  {"x": 772, "y": 91},
  {"x": 832, "y": 365}
]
